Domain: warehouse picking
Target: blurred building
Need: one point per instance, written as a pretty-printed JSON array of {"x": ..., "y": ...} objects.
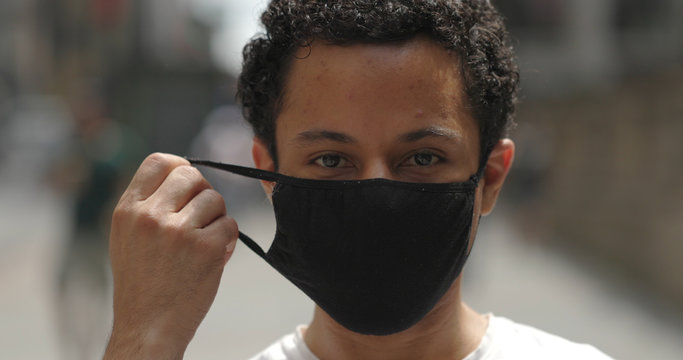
[
  {"x": 599, "y": 169},
  {"x": 565, "y": 46},
  {"x": 152, "y": 56}
]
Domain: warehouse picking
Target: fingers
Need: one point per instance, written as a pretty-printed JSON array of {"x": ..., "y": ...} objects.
[
  {"x": 225, "y": 228},
  {"x": 204, "y": 208},
  {"x": 167, "y": 181},
  {"x": 181, "y": 185},
  {"x": 151, "y": 174}
]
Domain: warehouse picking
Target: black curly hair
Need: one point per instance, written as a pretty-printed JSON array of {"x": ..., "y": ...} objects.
[{"x": 472, "y": 29}]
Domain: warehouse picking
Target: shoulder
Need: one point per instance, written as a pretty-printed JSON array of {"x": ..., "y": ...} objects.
[
  {"x": 506, "y": 339},
  {"x": 288, "y": 347}
]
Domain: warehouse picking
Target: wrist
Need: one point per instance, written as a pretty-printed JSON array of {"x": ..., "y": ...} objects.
[{"x": 150, "y": 344}]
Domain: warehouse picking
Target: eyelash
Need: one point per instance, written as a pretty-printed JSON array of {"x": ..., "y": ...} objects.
[
  {"x": 439, "y": 159},
  {"x": 320, "y": 158}
]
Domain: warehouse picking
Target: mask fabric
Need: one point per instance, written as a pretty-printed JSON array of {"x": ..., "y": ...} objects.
[{"x": 376, "y": 255}]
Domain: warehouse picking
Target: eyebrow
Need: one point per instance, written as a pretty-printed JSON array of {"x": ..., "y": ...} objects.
[
  {"x": 431, "y": 131},
  {"x": 311, "y": 136}
]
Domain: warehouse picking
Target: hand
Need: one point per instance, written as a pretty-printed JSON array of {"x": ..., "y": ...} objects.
[{"x": 170, "y": 240}]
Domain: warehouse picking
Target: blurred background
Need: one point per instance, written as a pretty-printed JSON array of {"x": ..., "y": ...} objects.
[{"x": 587, "y": 242}]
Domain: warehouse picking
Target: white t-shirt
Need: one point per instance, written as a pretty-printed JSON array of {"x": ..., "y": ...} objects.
[{"x": 504, "y": 340}]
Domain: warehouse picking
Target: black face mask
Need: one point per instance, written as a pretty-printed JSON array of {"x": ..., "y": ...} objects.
[{"x": 376, "y": 254}]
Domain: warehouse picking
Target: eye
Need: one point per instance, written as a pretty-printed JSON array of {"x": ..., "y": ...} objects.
[
  {"x": 423, "y": 159},
  {"x": 330, "y": 161}
]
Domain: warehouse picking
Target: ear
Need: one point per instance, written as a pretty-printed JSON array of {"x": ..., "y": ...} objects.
[
  {"x": 497, "y": 168},
  {"x": 263, "y": 161}
]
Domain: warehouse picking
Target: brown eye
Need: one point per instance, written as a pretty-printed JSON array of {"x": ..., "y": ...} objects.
[
  {"x": 424, "y": 159},
  {"x": 329, "y": 160}
]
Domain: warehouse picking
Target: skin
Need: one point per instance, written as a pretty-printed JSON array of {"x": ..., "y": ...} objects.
[{"x": 350, "y": 112}]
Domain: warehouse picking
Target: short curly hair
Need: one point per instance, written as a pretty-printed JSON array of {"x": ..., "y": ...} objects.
[{"x": 472, "y": 29}]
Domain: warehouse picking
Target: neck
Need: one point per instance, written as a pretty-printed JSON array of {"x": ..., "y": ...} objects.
[{"x": 451, "y": 330}]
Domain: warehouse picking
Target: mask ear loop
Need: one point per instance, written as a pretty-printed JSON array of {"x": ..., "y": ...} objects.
[
  {"x": 252, "y": 245},
  {"x": 245, "y": 171},
  {"x": 476, "y": 178},
  {"x": 482, "y": 164},
  {"x": 240, "y": 170}
]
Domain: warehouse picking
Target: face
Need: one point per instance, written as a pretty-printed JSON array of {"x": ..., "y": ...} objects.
[
  {"x": 394, "y": 111},
  {"x": 383, "y": 111}
]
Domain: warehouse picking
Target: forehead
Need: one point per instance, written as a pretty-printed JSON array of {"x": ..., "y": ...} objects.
[
  {"x": 419, "y": 61},
  {"x": 374, "y": 87}
]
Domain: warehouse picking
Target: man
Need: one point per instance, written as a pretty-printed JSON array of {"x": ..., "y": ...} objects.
[{"x": 385, "y": 123}]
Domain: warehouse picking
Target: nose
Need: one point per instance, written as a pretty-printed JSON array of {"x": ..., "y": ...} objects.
[{"x": 376, "y": 169}]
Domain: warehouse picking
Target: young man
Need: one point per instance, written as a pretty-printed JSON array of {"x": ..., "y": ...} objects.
[{"x": 385, "y": 121}]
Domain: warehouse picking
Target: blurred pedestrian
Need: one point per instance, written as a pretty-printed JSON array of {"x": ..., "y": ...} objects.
[{"x": 93, "y": 168}]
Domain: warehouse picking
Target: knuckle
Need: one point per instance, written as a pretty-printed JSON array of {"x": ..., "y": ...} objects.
[
  {"x": 222, "y": 233},
  {"x": 149, "y": 221},
  {"x": 180, "y": 224},
  {"x": 214, "y": 197},
  {"x": 160, "y": 161},
  {"x": 204, "y": 245},
  {"x": 157, "y": 159},
  {"x": 120, "y": 213},
  {"x": 191, "y": 174},
  {"x": 124, "y": 212},
  {"x": 128, "y": 198},
  {"x": 229, "y": 227}
]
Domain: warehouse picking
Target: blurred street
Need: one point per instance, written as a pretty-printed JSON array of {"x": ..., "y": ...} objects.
[
  {"x": 585, "y": 242},
  {"x": 255, "y": 305}
]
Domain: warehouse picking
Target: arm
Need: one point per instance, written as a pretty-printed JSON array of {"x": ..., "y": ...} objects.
[{"x": 169, "y": 243}]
